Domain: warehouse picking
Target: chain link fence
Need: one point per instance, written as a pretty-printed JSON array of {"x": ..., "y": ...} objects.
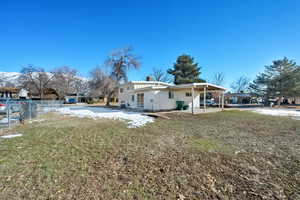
[{"x": 15, "y": 111}]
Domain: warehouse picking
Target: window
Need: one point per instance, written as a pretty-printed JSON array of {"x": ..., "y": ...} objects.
[
  {"x": 121, "y": 90},
  {"x": 140, "y": 100},
  {"x": 171, "y": 95},
  {"x": 188, "y": 94},
  {"x": 132, "y": 98}
]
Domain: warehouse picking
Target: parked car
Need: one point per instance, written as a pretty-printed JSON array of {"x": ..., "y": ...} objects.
[
  {"x": 71, "y": 101},
  {"x": 15, "y": 106},
  {"x": 208, "y": 102},
  {"x": 3, "y": 108}
]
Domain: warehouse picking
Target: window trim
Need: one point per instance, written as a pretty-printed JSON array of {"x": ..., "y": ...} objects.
[
  {"x": 171, "y": 95},
  {"x": 188, "y": 94}
]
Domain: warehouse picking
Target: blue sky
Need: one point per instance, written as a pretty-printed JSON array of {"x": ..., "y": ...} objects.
[{"x": 233, "y": 36}]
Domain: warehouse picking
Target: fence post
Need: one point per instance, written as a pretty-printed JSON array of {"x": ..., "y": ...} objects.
[
  {"x": 8, "y": 113},
  {"x": 29, "y": 107}
]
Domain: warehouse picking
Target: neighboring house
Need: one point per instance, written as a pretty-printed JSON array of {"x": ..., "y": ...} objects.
[
  {"x": 23, "y": 94},
  {"x": 75, "y": 98},
  {"x": 86, "y": 98},
  {"x": 80, "y": 98},
  {"x": 157, "y": 96},
  {"x": 294, "y": 100},
  {"x": 285, "y": 100},
  {"x": 241, "y": 98},
  {"x": 48, "y": 94},
  {"x": 13, "y": 93}
]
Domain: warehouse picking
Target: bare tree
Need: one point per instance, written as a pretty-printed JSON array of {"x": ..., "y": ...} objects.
[
  {"x": 81, "y": 85},
  {"x": 160, "y": 75},
  {"x": 2, "y": 82},
  {"x": 218, "y": 78},
  {"x": 241, "y": 84},
  {"x": 35, "y": 79},
  {"x": 102, "y": 84},
  {"x": 64, "y": 80},
  {"x": 121, "y": 61}
]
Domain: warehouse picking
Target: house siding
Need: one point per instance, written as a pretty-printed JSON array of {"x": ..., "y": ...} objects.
[
  {"x": 159, "y": 99},
  {"x": 180, "y": 95},
  {"x": 156, "y": 95}
]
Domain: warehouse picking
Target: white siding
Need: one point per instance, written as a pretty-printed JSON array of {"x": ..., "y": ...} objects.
[
  {"x": 158, "y": 99},
  {"x": 180, "y": 95},
  {"x": 161, "y": 99},
  {"x": 149, "y": 100},
  {"x": 163, "y": 102},
  {"x": 125, "y": 97}
]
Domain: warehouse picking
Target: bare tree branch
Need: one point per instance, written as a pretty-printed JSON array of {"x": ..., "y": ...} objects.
[
  {"x": 64, "y": 79},
  {"x": 241, "y": 84},
  {"x": 102, "y": 84},
  {"x": 160, "y": 75},
  {"x": 218, "y": 78},
  {"x": 121, "y": 61},
  {"x": 35, "y": 79}
]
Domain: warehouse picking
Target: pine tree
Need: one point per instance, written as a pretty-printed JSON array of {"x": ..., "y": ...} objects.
[
  {"x": 185, "y": 70},
  {"x": 282, "y": 78}
]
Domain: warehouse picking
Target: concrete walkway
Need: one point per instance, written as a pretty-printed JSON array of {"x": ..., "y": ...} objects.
[
  {"x": 201, "y": 110},
  {"x": 196, "y": 112}
]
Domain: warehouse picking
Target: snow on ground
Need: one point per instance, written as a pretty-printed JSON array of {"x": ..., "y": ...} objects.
[
  {"x": 295, "y": 114},
  {"x": 134, "y": 119},
  {"x": 12, "y": 120},
  {"x": 11, "y": 136}
]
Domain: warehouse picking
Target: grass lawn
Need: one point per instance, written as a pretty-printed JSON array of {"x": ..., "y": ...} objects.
[{"x": 226, "y": 155}]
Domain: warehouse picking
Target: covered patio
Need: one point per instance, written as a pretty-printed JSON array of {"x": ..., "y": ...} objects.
[{"x": 202, "y": 89}]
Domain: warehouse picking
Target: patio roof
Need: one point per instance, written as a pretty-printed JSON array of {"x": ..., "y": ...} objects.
[{"x": 208, "y": 86}]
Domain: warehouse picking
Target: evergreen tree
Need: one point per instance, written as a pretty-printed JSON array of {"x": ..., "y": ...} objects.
[
  {"x": 185, "y": 70},
  {"x": 282, "y": 78}
]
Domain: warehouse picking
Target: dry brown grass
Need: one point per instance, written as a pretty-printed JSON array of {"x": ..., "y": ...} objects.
[{"x": 227, "y": 155}]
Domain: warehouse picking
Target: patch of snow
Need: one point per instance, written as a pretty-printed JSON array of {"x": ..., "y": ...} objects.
[
  {"x": 278, "y": 112},
  {"x": 11, "y": 136},
  {"x": 38, "y": 120},
  {"x": 134, "y": 119},
  {"x": 5, "y": 120}
]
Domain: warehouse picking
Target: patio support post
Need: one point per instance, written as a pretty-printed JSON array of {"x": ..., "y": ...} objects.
[
  {"x": 204, "y": 99},
  {"x": 223, "y": 100},
  {"x": 219, "y": 100},
  {"x": 193, "y": 99}
]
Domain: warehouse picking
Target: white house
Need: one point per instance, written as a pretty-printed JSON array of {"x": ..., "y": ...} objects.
[
  {"x": 23, "y": 94},
  {"x": 157, "y": 96}
]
